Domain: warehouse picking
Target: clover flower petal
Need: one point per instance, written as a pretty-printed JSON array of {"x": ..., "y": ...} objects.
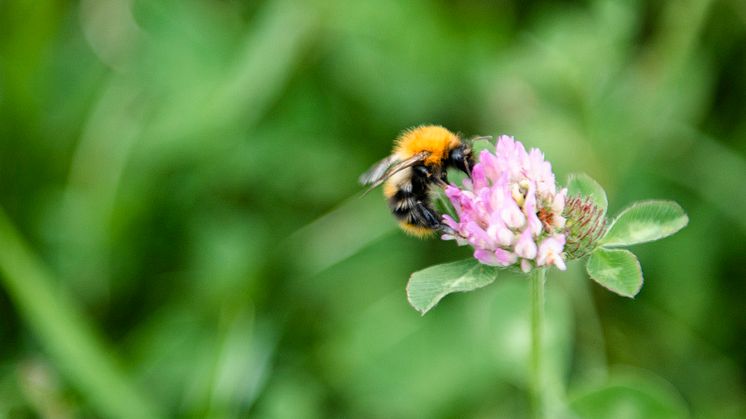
[{"x": 510, "y": 211}]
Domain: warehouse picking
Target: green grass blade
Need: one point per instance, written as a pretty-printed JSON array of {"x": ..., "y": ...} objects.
[{"x": 64, "y": 333}]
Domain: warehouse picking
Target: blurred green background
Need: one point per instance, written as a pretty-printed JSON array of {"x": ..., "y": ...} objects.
[{"x": 182, "y": 235}]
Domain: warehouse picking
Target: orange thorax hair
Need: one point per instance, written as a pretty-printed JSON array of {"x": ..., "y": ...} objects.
[{"x": 432, "y": 138}]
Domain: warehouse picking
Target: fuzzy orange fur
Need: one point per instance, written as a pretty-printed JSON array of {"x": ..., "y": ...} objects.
[
  {"x": 415, "y": 230},
  {"x": 433, "y": 138}
]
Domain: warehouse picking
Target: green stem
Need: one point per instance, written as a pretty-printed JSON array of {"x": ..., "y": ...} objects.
[{"x": 538, "y": 277}]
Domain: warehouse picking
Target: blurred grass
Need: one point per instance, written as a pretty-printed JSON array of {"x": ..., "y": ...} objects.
[
  {"x": 184, "y": 173},
  {"x": 59, "y": 327}
]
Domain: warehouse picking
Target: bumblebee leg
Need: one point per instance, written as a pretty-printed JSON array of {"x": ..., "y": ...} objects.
[
  {"x": 427, "y": 216},
  {"x": 443, "y": 228},
  {"x": 442, "y": 182},
  {"x": 444, "y": 176}
]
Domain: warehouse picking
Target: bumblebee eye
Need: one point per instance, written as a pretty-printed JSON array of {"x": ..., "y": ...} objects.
[
  {"x": 460, "y": 158},
  {"x": 456, "y": 155}
]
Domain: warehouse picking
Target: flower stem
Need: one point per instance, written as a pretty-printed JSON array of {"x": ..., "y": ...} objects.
[{"x": 536, "y": 378}]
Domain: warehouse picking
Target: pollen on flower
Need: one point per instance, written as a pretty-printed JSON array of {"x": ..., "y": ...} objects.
[{"x": 510, "y": 211}]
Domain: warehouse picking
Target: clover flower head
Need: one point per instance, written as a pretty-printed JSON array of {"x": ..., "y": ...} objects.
[{"x": 510, "y": 211}]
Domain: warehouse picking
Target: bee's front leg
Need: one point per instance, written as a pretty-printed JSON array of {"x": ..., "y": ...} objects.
[
  {"x": 444, "y": 177},
  {"x": 439, "y": 176}
]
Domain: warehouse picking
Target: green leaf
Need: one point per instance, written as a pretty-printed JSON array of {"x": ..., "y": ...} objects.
[
  {"x": 645, "y": 221},
  {"x": 631, "y": 395},
  {"x": 584, "y": 185},
  {"x": 428, "y": 286},
  {"x": 482, "y": 143},
  {"x": 616, "y": 269}
]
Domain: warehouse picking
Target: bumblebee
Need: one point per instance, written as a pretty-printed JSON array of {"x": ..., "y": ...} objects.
[{"x": 420, "y": 160}]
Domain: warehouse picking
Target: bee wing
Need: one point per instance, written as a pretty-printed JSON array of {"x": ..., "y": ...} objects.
[
  {"x": 387, "y": 167},
  {"x": 377, "y": 171}
]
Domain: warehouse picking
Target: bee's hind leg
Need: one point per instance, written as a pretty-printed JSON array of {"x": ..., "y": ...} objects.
[
  {"x": 427, "y": 216},
  {"x": 437, "y": 220},
  {"x": 445, "y": 229}
]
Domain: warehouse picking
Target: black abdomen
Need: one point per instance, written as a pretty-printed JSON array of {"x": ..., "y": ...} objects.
[{"x": 410, "y": 204}]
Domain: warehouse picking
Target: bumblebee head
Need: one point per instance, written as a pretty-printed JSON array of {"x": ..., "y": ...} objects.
[{"x": 461, "y": 158}]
